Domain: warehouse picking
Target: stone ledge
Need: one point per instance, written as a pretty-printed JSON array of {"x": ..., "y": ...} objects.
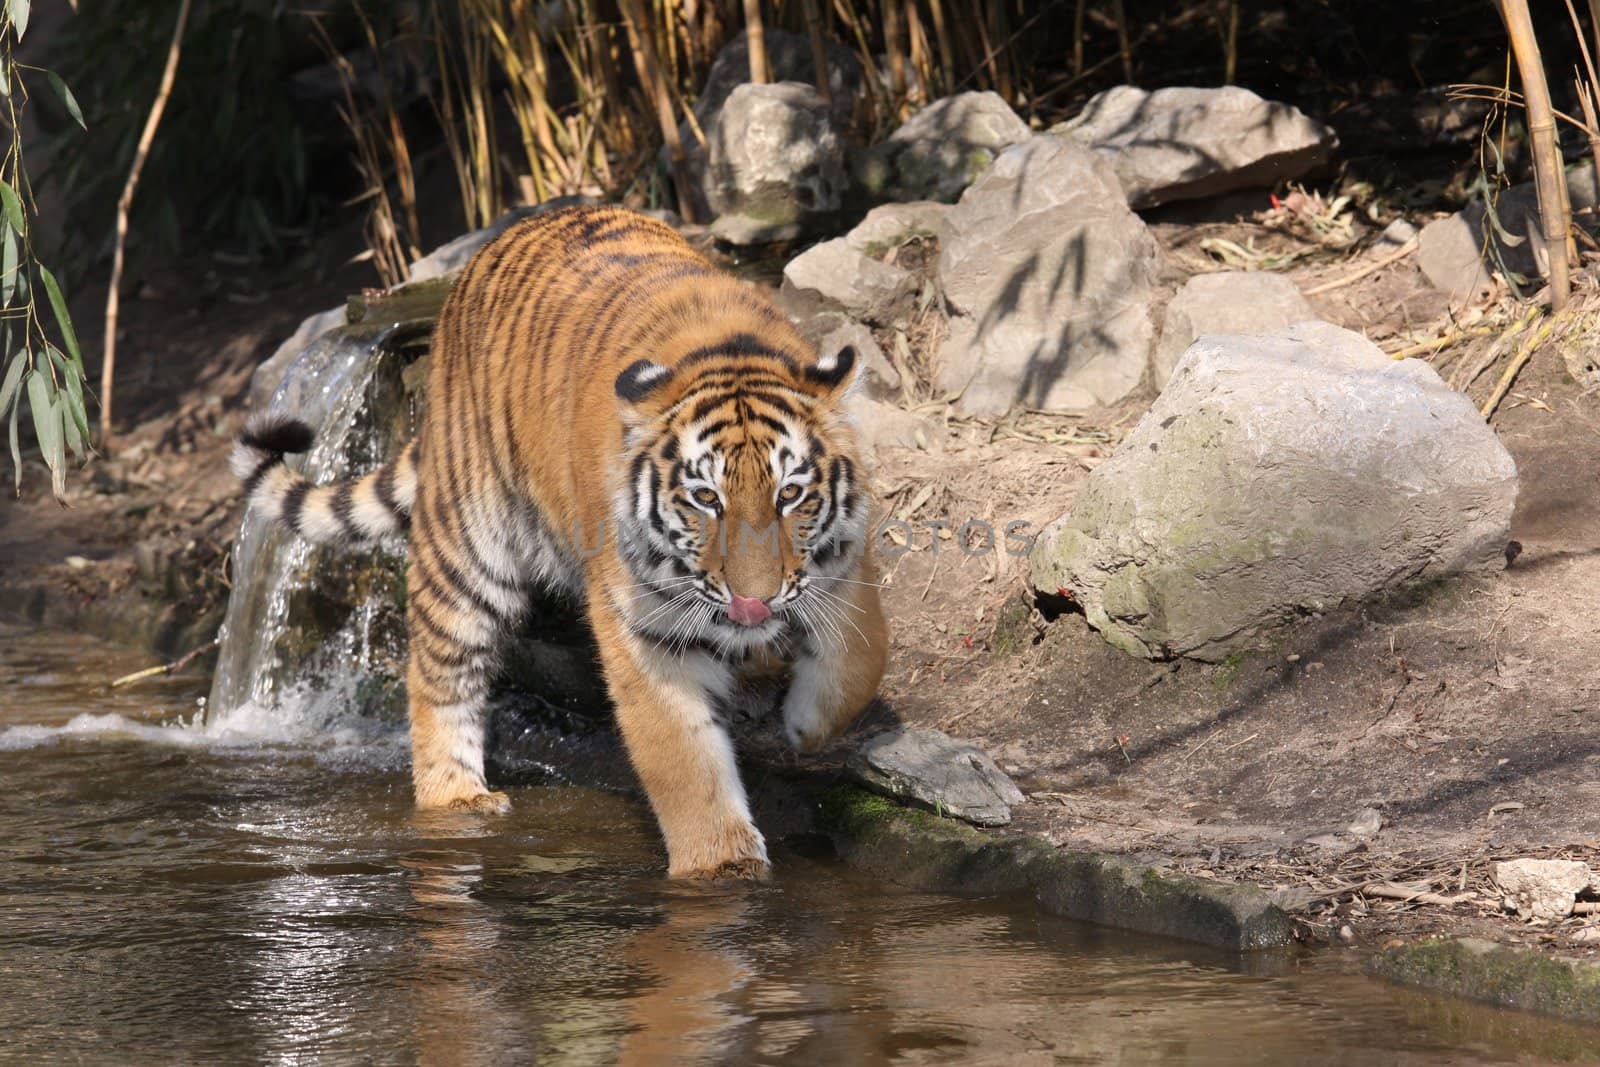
[
  {"x": 1495, "y": 974},
  {"x": 922, "y": 851}
]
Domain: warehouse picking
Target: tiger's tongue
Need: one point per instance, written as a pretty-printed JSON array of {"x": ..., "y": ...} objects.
[{"x": 748, "y": 611}]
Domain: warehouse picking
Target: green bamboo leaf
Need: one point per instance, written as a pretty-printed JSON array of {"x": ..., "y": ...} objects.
[
  {"x": 8, "y": 390},
  {"x": 17, "y": 11},
  {"x": 78, "y": 415},
  {"x": 8, "y": 266},
  {"x": 47, "y": 426},
  {"x": 13, "y": 207},
  {"x": 58, "y": 304},
  {"x": 67, "y": 99},
  {"x": 16, "y": 451}
]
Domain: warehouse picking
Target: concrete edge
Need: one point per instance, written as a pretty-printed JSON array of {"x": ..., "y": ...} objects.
[
  {"x": 1502, "y": 975},
  {"x": 923, "y": 851}
]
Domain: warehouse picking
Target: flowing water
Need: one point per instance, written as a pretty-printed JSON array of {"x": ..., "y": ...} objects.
[{"x": 176, "y": 891}]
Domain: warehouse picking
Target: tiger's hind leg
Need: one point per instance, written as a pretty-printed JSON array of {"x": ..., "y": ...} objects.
[{"x": 463, "y": 594}]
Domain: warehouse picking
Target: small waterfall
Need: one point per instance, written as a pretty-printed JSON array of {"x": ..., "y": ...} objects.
[{"x": 313, "y": 635}]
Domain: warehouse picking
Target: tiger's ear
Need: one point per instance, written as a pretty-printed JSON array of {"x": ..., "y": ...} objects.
[
  {"x": 639, "y": 386},
  {"x": 834, "y": 371}
]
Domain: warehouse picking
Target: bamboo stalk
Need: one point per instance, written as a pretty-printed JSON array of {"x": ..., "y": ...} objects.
[
  {"x": 1077, "y": 37},
  {"x": 941, "y": 34},
  {"x": 819, "y": 50},
  {"x": 894, "y": 47},
  {"x": 124, "y": 205},
  {"x": 1124, "y": 47},
  {"x": 1230, "y": 66},
  {"x": 1554, "y": 211},
  {"x": 756, "y": 39},
  {"x": 644, "y": 58}
]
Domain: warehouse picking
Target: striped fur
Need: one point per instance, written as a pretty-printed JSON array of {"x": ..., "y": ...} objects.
[
  {"x": 611, "y": 416},
  {"x": 366, "y": 509}
]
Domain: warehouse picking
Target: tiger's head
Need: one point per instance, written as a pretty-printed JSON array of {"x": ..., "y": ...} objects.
[{"x": 743, "y": 507}]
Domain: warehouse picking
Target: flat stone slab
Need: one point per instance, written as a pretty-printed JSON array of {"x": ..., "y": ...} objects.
[
  {"x": 917, "y": 850},
  {"x": 1479, "y": 970},
  {"x": 934, "y": 771}
]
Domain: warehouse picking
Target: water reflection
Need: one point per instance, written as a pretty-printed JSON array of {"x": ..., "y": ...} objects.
[{"x": 202, "y": 902}]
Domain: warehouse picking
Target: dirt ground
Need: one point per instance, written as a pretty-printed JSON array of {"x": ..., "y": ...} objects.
[{"x": 1465, "y": 713}]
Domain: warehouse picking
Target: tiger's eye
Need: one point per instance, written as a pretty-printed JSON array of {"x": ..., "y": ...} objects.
[
  {"x": 707, "y": 498},
  {"x": 789, "y": 494}
]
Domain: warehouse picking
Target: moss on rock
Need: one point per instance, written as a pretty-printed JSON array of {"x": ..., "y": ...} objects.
[{"x": 1496, "y": 974}]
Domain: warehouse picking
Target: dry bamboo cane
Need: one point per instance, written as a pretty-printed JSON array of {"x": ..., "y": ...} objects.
[
  {"x": 893, "y": 45},
  {"x": 644, "y": 58},
  {"x": 124, "y": 206},
  {"x": 819, "y": 50},
  {"x": 1124, "y": 46},
  {"x": 1077, "y": 37},
  {"x": 947, "y": 55},
  {"x": 756, "y": 39},
  {"x": 1555, "y": 213}
]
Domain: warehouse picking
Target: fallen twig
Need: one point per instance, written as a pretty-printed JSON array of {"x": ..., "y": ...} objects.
[
  {"x": 1355, "y": 276},
  {"x": 1390, "y": 891},
  {"x": 167, "y": 668},
  {"x": 1424, "y": 348},
  {"x": 1524, "y": 353}
]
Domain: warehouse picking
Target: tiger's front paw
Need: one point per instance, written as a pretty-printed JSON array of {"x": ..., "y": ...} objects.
[
  {"x": 483, "y": 803},
  {"x": 731, "y": 851}
]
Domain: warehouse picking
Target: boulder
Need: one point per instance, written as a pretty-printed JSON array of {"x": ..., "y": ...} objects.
[
  {"x": 1458, "y": 252},
  {"x": 888, "y": 226},
  {"x": 936, "y": 772},
  {"x": 1187, "y": 143},
  {"x": 881, "y": 380},
  {"x": 775, "y": 164},
  {"x": 942, "y": 148},
  {"x": 1047, "y": 276},
  {"x": 789, "y": 55},
  {"x": 883, "y": 425},
  {"x": 1542, "y": 889},
  {"x": 1277, "y": 476},
  {"x": 1228, "y": 302},
  {"x": 835, "y": 275}
]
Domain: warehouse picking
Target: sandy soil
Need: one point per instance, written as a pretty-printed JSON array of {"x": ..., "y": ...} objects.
[{"x": 1464, "y": 713}]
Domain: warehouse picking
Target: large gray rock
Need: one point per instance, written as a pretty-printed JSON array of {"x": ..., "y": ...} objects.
[
  {"x": 789, "y": 55},
  {"x": 934, "y": 771},
  {"x": 1185, "y": 143},
  {"x": 1458, "y": 252},
  {"x": 835, "y": 275},
  {"x": 1048, "y": 277},
  {"x": 1227, "y": 302},
  {"x": 888, "y": 226},
  {"x": 942, "y": 148},
  {"x": 882, "y": 380},
  {"x": 776, "y": 165},
  {"x": 1275, "y": 476}
]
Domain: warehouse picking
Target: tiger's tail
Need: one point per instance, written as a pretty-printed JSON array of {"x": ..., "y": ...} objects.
[{"x": 363, "y": 509}]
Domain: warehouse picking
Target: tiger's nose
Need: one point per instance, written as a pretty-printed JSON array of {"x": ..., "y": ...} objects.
[{"x": 748, "y": 610}]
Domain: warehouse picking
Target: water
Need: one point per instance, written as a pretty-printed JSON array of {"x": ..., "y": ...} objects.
[{"x": 194, "y": 893}]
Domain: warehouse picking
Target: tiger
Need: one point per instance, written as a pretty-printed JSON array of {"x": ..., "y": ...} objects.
[{"x": 612, "y": 417}]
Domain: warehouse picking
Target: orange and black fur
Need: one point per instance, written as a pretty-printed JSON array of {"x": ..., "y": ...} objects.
[{"x": 612, "y": 416}]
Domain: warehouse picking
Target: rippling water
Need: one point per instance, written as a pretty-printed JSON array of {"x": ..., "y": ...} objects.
[{"x": 169, "y": 895}]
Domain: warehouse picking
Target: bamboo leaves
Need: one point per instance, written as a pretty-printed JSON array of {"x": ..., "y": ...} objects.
[{"x": 49, "y": 376}]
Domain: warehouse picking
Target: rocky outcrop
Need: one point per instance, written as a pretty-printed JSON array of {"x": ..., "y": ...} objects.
[
  {"x": 1277, "y": 476},
  {"x": 1047, "y": 276},
  {"x": 942, "y": 148},
  {"x": 933, "y": 771},
  {"x": 775, "y": 166},
  {"x": 1458, "y": 253},
  {"x": 889, "y": 226},
  {"x": 835, "y": 275},
  {"x": 1227, "y": 302},
  {"x": 1186, "y": 143}
]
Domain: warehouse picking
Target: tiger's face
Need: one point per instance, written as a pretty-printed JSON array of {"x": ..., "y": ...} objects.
[{"x": 743, "y": 509}]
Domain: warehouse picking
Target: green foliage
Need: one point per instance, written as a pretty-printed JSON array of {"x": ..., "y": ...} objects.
[
  {"x": 236, "y": 151},
  {"x": 36, "y": 367}
]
